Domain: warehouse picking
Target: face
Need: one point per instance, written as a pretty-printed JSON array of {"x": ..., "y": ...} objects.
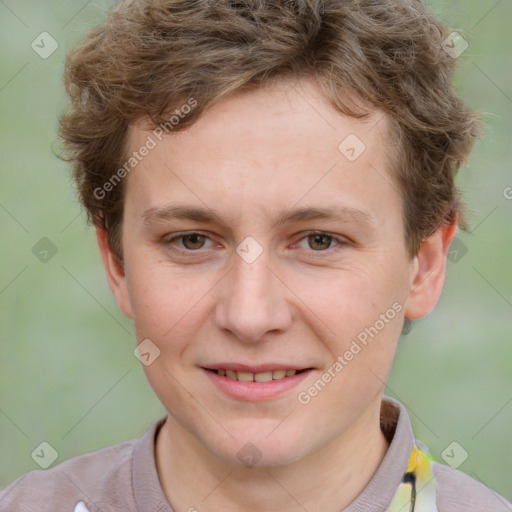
[{"x": 262, "y": 241}]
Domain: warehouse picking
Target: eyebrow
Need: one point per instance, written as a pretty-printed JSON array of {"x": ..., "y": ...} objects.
[{"x": 338, "y": 213}]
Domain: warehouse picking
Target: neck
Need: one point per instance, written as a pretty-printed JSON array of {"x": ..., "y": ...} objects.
[{"x": 342, "y": 469}]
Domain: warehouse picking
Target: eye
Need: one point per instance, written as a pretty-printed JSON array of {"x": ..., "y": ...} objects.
[
  {"x": 322, "y": 242},
  {"x": 193, "y": 241},
  {"x": 186, "y": 242}
]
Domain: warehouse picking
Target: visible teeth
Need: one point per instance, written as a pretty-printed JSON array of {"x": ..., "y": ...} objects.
[
  {"x": 262, "y": 377},
  {"x": 257, "y": 377},
  {"x": 246, "y": 376}
]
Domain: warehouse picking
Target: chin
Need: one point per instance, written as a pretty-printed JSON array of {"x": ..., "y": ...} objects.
[{"x": 258, "y": 451}]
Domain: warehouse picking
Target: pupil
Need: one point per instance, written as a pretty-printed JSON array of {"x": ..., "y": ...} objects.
[
  {"x": 318, "y": 239},
  {"x": 195, "y": 239}
]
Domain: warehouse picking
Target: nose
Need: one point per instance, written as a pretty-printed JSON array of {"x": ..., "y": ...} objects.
[{"x": 252, "y": 301}]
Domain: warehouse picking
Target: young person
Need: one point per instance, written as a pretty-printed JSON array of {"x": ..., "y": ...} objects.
[{"x": 272, "y": 185}]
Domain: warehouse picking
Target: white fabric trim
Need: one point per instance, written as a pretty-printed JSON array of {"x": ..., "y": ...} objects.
[{"x": 80, "y": 507}]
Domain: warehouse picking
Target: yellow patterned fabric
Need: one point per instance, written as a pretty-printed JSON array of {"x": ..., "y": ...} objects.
[{"x": 417, "y": 491}]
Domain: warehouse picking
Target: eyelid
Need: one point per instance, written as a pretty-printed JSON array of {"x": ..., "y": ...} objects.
[
  {"x": 340, "y": 241},
  {"x": 177, "y": 236}
]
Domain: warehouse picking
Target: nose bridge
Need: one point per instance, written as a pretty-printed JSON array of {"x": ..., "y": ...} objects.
[{"x": 252, "y": 300}]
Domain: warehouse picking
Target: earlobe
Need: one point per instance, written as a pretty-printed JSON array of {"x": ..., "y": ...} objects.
[
  {"x": 427, "y": 279},
  {"x": 115, "y": 273}
]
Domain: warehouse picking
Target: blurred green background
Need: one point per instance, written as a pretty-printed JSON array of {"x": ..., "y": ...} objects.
[{"x": 68, "y": 375}]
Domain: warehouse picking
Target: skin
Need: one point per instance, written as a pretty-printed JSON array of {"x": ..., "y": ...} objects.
[{"x": 302, "y": 301}]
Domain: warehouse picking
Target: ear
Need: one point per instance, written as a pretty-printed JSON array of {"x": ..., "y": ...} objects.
[
  {"x": 429, "y": 272},
  {"x": 115, "y": 274}
]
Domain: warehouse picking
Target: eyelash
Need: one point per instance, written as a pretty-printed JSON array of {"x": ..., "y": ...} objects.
[{"x": 340, "y": 243}]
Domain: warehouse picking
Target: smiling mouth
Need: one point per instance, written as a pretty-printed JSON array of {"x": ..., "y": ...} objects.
[{"x": 256, "y": 377}]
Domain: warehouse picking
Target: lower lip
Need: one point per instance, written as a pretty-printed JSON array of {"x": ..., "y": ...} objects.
[{"x": 256, "y": 390}]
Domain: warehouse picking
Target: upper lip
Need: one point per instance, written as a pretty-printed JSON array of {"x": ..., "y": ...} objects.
[{"x": 259, "y": 368}]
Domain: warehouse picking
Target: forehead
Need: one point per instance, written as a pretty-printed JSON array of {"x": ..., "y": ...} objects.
[
  {"x": 258, "y": 114},
  {"x": 265, "y": 150}
]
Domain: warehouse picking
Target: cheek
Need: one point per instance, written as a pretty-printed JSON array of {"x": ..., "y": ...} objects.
[
  {"x": 358, "y": 315},
  {"x": 348, "y": 300},
  {"x": 161, "y": 299}
]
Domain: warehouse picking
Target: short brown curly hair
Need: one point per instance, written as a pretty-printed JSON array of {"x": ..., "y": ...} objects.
[{"x": 151, "y": 56}]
